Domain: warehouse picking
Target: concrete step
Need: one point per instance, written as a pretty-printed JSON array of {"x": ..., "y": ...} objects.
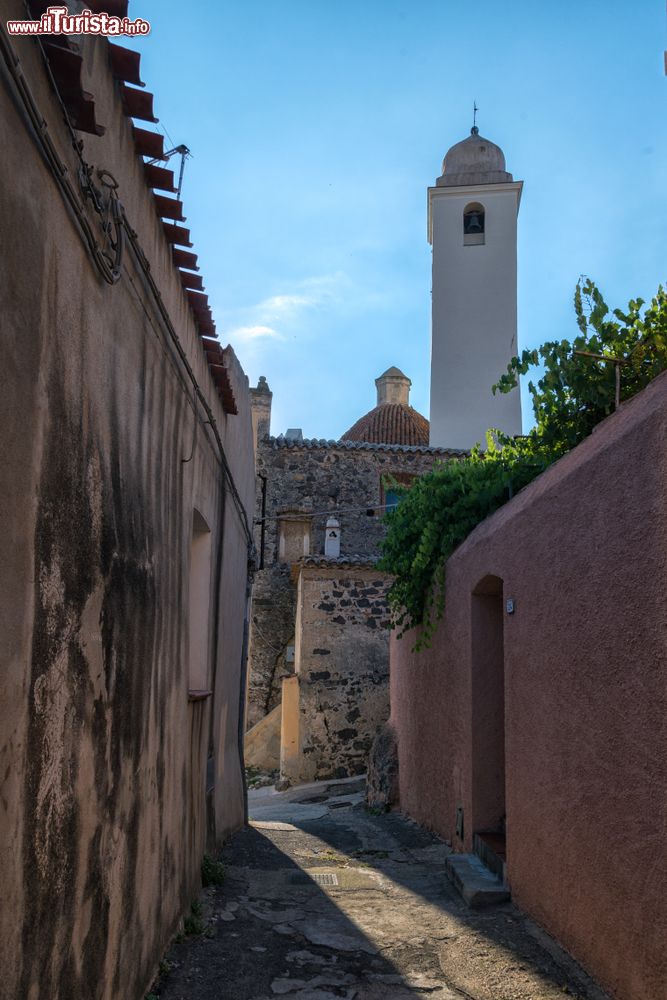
[
  {"x": 478, "y": 886},
  {"x": 490, "y": 848}
]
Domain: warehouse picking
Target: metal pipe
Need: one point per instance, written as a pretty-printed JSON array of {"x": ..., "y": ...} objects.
[
  {"x": 219, "y": 563},
  {"x": 243, "y": 687},
  {"x": 262, "y": 536}
]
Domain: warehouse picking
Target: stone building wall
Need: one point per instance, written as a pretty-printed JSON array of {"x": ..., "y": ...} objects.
[
  {"x": 341, "y": 669},
  {"x": 106, "y": 755},
  {"x": 272, "y": 631},
  {"x": 323, "y": 477},
  {"x": 339, "y": 477}
]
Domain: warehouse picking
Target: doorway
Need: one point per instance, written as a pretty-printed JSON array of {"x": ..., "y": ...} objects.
[
  {"x": 488, "y": 724},
  {"x": 201, "y": 768}
]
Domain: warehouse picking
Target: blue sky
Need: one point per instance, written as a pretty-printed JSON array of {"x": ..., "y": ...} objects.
[{"x": 316, "y": 128}]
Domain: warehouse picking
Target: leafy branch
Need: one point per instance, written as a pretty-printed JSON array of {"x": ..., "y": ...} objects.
[{"x": 573, "y": 394}]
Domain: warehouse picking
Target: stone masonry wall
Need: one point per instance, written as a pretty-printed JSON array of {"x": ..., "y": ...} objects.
[
  {"x": 327, "y": 477},
  {"x": 342, "y": 663},
  {"x": 332, "y": 477},
  {"x": 272, "y": 629}
]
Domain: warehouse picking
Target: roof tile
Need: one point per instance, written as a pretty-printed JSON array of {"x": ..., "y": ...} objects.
[{"x": 390, "y": 423}]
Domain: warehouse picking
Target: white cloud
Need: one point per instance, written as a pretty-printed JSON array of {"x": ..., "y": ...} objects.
[
  {"x": 278, "y": 305},
  {"x": 245, "y": 334},
  {"x": 276, "y": 316}
]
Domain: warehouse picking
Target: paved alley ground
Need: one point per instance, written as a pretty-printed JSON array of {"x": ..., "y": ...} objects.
[{"x": 323, "y": 901}]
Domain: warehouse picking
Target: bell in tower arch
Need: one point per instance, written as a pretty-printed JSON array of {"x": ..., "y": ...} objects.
[{"x": 473, "y": 222}]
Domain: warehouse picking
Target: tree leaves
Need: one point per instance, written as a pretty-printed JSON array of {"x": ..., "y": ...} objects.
[{"x": 573, "y": 395}]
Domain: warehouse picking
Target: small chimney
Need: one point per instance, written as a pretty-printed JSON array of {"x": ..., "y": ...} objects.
[
  {"x": 332, "y": 538},
  {"x": 393, "y": 387},
  {"x": 260, "y": 407}
]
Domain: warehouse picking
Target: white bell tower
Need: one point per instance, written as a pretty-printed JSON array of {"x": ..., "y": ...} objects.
[{"x": 472, "y": 227}]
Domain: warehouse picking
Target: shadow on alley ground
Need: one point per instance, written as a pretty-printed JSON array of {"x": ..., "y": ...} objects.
[{"x": 324, "y": 901}]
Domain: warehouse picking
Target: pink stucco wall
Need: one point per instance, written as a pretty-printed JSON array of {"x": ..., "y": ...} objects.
[{"x": 583, "y": 553}]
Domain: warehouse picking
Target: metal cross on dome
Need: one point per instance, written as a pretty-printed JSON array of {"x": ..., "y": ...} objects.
[{"x": 475, "y": 109}]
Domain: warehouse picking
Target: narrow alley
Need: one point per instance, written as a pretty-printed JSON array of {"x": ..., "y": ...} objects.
[
  {"x": 332, "y": 447},
  {"x": 322, "y": 900}
]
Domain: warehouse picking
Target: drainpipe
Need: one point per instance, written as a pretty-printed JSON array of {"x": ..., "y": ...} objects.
[
  {"x": 244, "y": 682},
  {"x": 219, "y": 563},
  {"x": 263, "y": 524}
]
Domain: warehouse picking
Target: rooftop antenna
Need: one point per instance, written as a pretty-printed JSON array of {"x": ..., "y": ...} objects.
[
  {"x": 184, "y": 153},
  {"x": 474, "y": 130}
]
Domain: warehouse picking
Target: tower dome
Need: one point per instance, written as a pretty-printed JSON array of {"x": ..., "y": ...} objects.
[
  {"x": 393, "y": 420},
  {"x": 475, "y": 160}
]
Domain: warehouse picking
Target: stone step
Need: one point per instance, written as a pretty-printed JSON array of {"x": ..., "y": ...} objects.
[
  {"x": 478, "y": 886},
  {"x": 490, "y": 849}
]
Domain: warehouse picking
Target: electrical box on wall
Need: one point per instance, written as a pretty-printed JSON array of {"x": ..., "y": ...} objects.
[{"x": 459, "y": 822}]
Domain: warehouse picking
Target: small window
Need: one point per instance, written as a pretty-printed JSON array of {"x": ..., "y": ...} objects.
[
  {"x": 473, "y": 224},
  {"x": 390, "y": 489},
  {"x": 391, "y": 500}
]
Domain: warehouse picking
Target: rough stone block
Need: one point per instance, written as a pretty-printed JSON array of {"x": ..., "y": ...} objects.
[{"x": 382, "y": 782}]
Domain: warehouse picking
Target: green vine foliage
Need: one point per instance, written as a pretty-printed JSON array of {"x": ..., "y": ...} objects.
[{"x": 574, "y": 394}]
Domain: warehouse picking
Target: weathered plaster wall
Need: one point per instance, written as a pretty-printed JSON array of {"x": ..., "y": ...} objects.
[
  {"x": 323, "y": 477},
  {"x": 102, "y": 757},
  {"x": 341, "y": 667},
  {"x": 583, "y": 553},
  {"x": 262, "y": 743}
]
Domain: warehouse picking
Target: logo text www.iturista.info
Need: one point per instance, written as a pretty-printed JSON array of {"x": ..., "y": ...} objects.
[{"x": 59, "y": 21}]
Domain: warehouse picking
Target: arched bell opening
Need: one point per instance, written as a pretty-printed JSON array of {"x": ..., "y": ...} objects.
[{"x": 473, "y": 224}]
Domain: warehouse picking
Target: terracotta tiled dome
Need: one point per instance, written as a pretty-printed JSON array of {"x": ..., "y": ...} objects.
[
  {"x": 393, "y": 421},
  {"x": 390, "y": 423}
]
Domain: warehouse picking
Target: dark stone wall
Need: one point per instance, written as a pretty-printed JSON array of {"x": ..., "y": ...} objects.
[
  {"x": 343, "y": 668},
  {"x": 332, "y": 478},
  {"x": 327, "y": 478},
  {"x": 272, "y": 629}
]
